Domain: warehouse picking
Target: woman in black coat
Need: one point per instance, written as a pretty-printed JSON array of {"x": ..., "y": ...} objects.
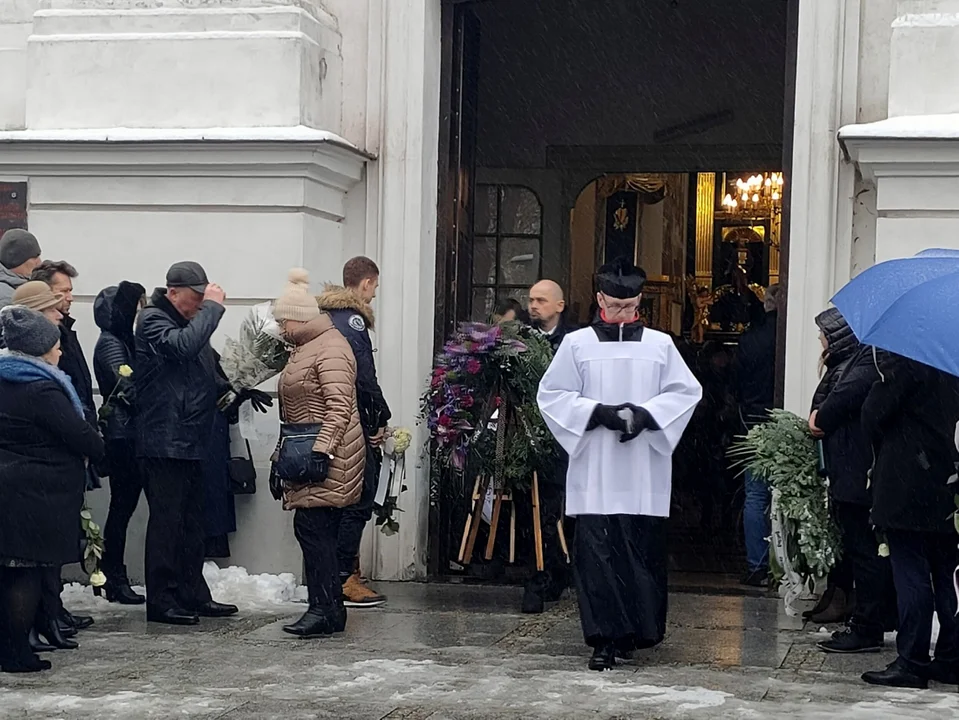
[
  {"x": 115, "y": 311},
  {"x": 849, "y": 376},
  {"x": 910, "y": 417},
  {"x": 44, "y": 445}
]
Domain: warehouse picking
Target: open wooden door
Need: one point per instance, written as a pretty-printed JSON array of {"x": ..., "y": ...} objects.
[{"x": 454, "y": 237}]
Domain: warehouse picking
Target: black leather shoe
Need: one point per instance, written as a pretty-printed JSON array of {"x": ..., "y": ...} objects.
[
  {"x": 313, "y": 624},
  {"x": 896, "y": 676},
  {"x": 68, "y": 631},
  {"x": 604, "y": 658},
  {"x": 37, "y": 644},
  {"x": 214, "y": 609},
  {"x": 850, "y": 642},
  {"x": 80, "y": 622},
  {"x": 172, "y": 616}
]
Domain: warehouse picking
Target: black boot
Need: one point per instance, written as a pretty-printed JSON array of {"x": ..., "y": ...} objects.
[
  {"x": 316, "y": 622},
  {"x": 37, "y": 644},
  {"x": 24, "y": 663},
  {"x": 535, "y": 593},
  {"x": 80, "y": 622},
  {"x": 118, "y": 590},
  {"x": 604, "y": 658},
  {"x": 51, "y": 631},
  {"x": 339, "y": 618}
]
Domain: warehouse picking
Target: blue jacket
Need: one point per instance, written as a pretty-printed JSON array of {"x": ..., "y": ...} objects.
[{"x": 354, "y": 319}]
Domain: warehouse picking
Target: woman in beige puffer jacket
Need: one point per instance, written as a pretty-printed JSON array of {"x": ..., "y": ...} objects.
[{"x": 318, "y": 385}]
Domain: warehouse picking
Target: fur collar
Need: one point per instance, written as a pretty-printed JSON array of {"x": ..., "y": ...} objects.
[{"x": 336, "y": 297}]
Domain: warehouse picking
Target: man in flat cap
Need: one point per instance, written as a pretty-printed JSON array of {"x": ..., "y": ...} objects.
[
  {"x": 19, "y": 256},
  {"x": 618, "y": 397}
]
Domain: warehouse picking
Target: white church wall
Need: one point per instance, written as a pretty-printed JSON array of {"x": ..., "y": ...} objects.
[{"x": 16, "y": 24}]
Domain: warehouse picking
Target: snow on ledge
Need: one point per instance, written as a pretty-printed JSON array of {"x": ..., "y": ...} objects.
[
  {"x": 909, "y": 127},
  {"x": 298, "y": 133}
]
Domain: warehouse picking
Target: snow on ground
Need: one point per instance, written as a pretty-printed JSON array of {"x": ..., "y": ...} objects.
[{"x": 251, "y": 593}]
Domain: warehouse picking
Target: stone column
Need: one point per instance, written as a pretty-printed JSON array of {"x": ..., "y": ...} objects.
[
  {"x": 402, "y": 226},
  {"x": 820, "y": 221}
]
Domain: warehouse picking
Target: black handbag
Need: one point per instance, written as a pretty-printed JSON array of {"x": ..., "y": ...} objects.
[
  {"x": 294, "y": 461},
  {"x": 242, "y": 474}
]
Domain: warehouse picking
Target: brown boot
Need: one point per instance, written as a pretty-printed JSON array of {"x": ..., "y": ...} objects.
[
  {"x": 839, "y": 609},
  {"x": 358, "y": 595}
]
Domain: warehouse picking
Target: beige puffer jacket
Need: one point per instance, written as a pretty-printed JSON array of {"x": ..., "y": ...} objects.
[{"x": 318, "y": 385}]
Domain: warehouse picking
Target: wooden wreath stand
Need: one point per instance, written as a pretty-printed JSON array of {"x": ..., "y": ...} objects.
[{"x": 500, "y": 495}]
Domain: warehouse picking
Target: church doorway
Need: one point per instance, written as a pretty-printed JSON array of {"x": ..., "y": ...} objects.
[{"x": 574, "y": 132}]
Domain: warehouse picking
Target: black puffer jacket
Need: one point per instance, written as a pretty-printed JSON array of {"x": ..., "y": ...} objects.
[
  {"x": 910, "y": 417},
  {"x": 850, "y": 374},
  {"x": 115, "y": 311},
  {"x": 177, "y": 382}
]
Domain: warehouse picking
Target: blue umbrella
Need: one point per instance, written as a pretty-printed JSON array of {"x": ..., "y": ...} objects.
[{"x": 908, "y": 306}]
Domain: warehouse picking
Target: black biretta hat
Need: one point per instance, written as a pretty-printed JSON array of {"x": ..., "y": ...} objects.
[{"x": 620, "y": 279}]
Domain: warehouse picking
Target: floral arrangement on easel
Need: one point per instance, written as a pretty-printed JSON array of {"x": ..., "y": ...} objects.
[
  {"x": 782, "y": 453},
  {"x": 481, "y": 369}
]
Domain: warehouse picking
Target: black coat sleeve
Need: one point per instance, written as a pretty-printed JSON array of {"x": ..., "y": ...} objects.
[
  {"x": 56, "y": 413},
  {"x": 899, "y": 379},
  {"x": 181, "y": 343},
  {"x": 111, "y": 354},
  {"x": 846, "y": 398}
]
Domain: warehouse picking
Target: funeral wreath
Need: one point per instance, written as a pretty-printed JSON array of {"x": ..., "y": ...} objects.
[{"x": 482, "y": 374}]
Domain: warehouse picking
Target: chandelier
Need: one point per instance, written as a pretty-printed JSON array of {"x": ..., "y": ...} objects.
[{"x": 760, "y": 193}]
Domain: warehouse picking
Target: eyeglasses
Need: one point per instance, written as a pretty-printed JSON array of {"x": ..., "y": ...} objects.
[{"x": 620, "y": 307}]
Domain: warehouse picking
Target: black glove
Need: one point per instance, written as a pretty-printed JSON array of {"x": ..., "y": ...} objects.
[
  {"x": 320, "y": 467},
  {"x": 642, "y": 420},
  {"x": 276, "y": 486},
  {"x": 257, "y": 398},
  {"x": 607, "y": 417}
]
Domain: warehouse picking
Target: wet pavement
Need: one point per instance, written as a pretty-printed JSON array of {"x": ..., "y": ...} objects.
[{"x": 446, "y": 652}]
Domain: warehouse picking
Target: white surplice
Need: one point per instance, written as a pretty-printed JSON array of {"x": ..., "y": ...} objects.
[{"x": 607, "y": 477}]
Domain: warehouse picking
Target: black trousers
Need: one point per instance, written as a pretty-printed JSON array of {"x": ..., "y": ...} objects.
[
  {"x": 126, "y": 486},
  {"x": 621, "y": 574},
  {"x": 316, "y": 530},
  {"x": 20, "y": 590},
  {"x": 174, "y": 544},
  {"x": 922, "y": 567},
  {"x": 871, "y": 574},
  {"x": 355, "y": 517}
]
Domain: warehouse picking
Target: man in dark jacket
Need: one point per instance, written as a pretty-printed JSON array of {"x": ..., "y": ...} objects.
[
  {"x": 349, "y": 307},
  {"x": 910, "y": 418},
  {"x": 178, "y": 390},
  {"x": 850, "y": 373},
  {"x": 756, "y": 366},
  {"x": 547, "y": 312},
  {"x": 115, "y": 310},
  {"x": 59, "y": 275}
]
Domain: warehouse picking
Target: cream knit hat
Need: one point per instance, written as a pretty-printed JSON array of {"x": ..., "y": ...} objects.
[{"x": 297, "y": 303}]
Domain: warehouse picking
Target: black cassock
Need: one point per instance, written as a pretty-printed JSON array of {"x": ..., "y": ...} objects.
[{"x": 620, "y": 563}]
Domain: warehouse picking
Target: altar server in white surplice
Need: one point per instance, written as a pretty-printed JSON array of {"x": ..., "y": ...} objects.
[{"x": 617, "y": 397}]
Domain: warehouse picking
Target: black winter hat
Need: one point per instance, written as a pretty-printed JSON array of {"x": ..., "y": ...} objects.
[{"x": 28, "y": 332}]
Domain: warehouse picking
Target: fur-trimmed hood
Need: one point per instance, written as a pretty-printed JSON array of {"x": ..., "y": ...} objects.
[{"x": 337, "y": 297}]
